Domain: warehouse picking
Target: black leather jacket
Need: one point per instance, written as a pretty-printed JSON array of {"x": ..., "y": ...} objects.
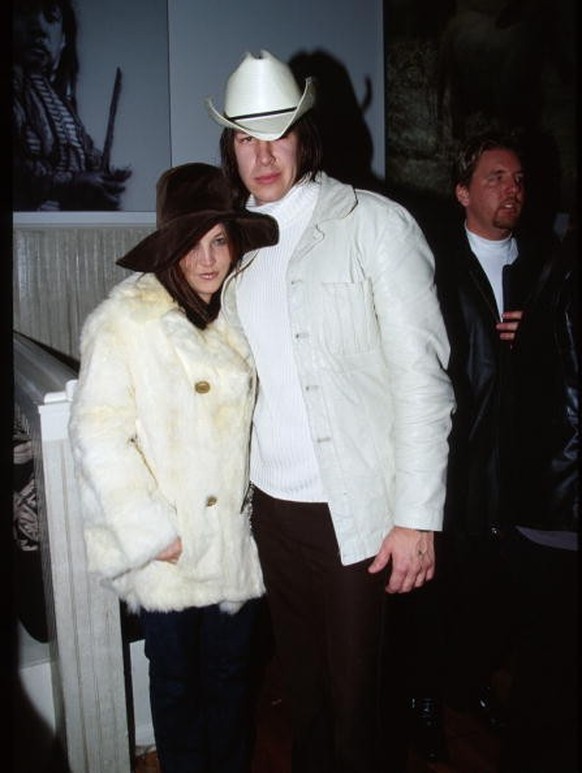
[
  {"x": 543, "y": 473},
  {"x": 479, "y": 368}
]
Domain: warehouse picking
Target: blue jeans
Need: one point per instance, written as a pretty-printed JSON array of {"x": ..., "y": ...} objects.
[{"x": 200, "y": 687}]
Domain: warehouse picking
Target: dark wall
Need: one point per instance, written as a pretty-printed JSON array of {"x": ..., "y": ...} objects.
[{"x": 453, "y": 67}]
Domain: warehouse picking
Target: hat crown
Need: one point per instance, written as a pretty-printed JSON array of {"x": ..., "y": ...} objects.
[
  {"x": 191, "y": 188},
  {"x": 262, "y": 98},
  {"x": 259, "y": 86}
]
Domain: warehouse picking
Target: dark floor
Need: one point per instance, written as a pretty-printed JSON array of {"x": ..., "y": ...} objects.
[{"x": 472, "y": 747}]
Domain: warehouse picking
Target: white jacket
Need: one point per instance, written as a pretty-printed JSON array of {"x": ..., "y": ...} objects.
[
  {"x": 371, "y": 352},
  {"x": 160, "y": 429}
]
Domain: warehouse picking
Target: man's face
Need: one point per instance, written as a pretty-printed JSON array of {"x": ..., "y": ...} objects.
[
  {"x": 39, "y": 38},
  {"x": 493, "y": 201},
  {"x": 268, "y": 169}
]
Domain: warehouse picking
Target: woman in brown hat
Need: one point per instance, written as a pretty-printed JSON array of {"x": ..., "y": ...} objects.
[{"x": 160, "y": 434}]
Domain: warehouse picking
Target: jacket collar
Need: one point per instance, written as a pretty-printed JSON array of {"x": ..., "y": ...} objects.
[{"x": 336, "y": 200}]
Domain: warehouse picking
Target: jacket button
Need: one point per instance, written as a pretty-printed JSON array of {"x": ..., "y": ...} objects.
[
  {"x": 202, "y": 387},
  {"x": 211, "y": 501}
]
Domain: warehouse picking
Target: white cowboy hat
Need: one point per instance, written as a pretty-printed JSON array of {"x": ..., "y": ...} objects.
[{"x": 262, "y": 98}]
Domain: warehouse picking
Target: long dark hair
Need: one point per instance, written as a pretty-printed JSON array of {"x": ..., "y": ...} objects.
[
  {"x": 309, "y": 149},
  {"x": 172, "y": 278}
]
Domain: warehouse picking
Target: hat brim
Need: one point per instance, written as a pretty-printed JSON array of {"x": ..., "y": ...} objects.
[
  {"x": 169, "y": 243},
  {"x": 270, "y": 126}
]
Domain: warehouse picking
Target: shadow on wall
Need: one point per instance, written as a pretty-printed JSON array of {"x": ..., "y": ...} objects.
[
  {"x": 347, "y": 143},
  {"x": 34, "y": 746},
  {"x": 346, "y": 139}
]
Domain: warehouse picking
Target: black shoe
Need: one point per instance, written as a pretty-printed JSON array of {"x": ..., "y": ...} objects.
[
  {"x": 490, "y": 710},
  {"x": 427, "y": 734}
]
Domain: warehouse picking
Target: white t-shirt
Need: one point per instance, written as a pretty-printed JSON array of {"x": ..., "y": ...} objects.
[{"x": 493, "y": 255}]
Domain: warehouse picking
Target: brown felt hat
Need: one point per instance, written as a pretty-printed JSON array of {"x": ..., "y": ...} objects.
[{"x": 190, "y": 200}]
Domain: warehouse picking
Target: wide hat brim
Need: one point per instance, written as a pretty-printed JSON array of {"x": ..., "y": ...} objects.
[
  {"x": 173, "y": 240},
  {"x": 270, "y": 125}
]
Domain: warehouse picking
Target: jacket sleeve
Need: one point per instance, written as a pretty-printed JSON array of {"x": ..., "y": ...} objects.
[
  {"x": 127, "y": 521},
  {"x": 417, "y": 352}
]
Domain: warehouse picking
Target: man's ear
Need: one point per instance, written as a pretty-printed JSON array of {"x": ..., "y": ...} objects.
[{"x": 462, "y": 194}]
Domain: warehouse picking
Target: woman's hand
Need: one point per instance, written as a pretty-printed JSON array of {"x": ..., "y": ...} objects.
[{"x": 172, "y": 553}]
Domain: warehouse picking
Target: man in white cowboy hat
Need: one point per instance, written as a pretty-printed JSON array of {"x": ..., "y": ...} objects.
[{"x": 349, "y": 444}]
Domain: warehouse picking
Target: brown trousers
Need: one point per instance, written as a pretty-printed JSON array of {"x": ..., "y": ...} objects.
[{"x": 328, "y": 622}]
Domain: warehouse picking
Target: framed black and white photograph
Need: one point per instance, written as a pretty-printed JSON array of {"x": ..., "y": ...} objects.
[{"x": 91, "y": 105}]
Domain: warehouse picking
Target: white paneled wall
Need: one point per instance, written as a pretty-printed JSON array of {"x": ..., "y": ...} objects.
[{"x": 61, "y": 273}]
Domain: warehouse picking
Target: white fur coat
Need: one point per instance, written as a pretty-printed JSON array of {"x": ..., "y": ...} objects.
[{"x": 160, "y": 428}]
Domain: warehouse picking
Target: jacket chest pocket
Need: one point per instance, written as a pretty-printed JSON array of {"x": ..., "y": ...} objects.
[{"x": 348, "y": 324}]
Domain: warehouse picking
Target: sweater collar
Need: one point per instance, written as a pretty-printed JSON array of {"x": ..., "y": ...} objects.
[{"x": 301, "y": 197}]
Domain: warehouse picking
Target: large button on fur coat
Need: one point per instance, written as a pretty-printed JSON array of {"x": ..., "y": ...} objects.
[{"x": 160, "y": 428}]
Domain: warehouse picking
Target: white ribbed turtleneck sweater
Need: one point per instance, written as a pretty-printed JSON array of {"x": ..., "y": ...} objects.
[{"x": 283, "y": 462}]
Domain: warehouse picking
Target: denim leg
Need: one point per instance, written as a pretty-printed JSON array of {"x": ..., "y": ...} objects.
[
  {"x": 225, "y": 673},
  {"x": 172, "y": 648},
  {"x": 199, "y": 688}
]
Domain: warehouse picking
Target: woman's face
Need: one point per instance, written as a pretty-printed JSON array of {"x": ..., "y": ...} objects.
[
  {"x": 206, "y": 265},
  {"x": 38, "y": 38}
]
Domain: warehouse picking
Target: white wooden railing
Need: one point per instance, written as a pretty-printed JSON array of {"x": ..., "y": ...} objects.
[{"x": 85, "y": 638}]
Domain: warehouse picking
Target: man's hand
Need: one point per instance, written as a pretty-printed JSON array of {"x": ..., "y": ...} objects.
[
  {"x": 411, "y": 553},
  {"x": 508, "y": 327}
]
